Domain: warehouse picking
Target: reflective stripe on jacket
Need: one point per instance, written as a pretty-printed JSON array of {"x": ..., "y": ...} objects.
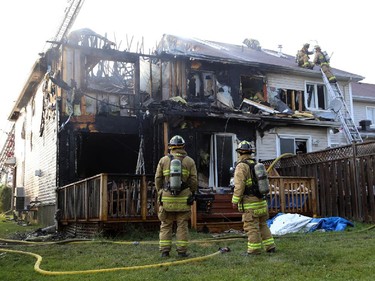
[
  {"x": 176, "y": 203},
  {"x": 242, "y": 178}
]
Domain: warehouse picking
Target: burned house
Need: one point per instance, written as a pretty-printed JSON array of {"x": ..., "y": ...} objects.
[{"x": 94, "y": 120}]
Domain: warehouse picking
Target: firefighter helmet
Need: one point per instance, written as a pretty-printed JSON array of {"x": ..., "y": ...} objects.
[
  {"x": 317, "y": 47},
  {"x": 176, "y": 142},
  {"x": 245, "y": 147},
  {"x": 307, "y": 45}
]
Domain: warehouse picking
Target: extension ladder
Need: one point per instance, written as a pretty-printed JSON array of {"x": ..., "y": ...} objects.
[{"x": 339, "y": 106}]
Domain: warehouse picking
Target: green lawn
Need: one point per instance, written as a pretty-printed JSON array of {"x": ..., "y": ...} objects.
[{"x": 347, "y": 255}]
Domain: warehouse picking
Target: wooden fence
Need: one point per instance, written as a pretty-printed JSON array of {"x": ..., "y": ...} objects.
[{"x": 345, "y": 179}]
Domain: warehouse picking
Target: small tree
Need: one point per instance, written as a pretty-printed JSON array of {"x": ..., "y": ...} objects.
[{"x": 5, "y": 198}]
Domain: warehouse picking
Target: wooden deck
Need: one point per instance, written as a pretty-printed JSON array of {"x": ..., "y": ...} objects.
[{"x": 109, "y": 200}]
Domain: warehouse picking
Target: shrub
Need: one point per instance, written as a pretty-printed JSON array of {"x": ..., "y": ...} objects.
[{"x": 5, "y": 198}]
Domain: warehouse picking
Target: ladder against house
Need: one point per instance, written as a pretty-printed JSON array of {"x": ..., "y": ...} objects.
[
  {"x": 339, "y": 106},
  {"x": 71, "y": 12}
]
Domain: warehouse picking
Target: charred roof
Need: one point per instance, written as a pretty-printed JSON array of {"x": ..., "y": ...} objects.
[{"x": 272, "y": 61}]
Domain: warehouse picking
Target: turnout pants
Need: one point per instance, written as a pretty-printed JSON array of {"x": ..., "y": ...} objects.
[
  {"x": 166, "y": 230},
  {"x": 258, "y": 233}
]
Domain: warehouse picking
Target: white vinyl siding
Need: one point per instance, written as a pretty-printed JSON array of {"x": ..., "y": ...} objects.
[
  {"x": 360, "y": 111},
  {"x": 36, "y": 154},
  {"x": 286, "y": 82},
  {"x": 267, "y": 147}
]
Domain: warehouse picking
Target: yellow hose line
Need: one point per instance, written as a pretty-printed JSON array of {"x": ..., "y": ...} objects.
[
  {"x": 277, "y": 159},
  {"x": 91, "y": 271},
  {"x": 77, "y": 241},
  {"x": 44, "y": 242}
]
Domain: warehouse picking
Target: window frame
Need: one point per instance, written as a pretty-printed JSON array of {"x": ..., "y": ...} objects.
[
  {"x": 295, "y": 138},
  {"x": 316, "y": 96},
  {"x": 368, "y": 115}
]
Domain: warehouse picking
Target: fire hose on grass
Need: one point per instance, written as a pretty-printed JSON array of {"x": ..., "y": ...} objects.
[{"x": 92, "y": 271}]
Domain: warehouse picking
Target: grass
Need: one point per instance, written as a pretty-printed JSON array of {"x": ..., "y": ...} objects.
[{"x": 347, "y": 255}]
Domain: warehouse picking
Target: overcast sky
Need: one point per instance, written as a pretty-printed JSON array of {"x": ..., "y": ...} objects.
[{"x": 342, "y": 28}]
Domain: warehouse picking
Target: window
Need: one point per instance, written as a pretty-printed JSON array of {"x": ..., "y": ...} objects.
[
  {"x": 202, "y": 85},
  {"x": 294, "y": 145},
  {"x": 370, "y": 114},
  {"x": 316, "y": 96},
  {"x": 223, "y": 156}
]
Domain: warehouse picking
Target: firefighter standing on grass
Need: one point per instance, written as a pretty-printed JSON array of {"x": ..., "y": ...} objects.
[
  {"x": 176, "y": 182},
  {"x": 253, "y": 206}
]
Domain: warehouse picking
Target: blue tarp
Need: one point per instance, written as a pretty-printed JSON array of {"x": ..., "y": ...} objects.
[
  {"x": 331, "y": 224},
  {"x": 291, "y": 223}
]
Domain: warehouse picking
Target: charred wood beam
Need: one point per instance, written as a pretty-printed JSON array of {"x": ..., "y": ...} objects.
[{"x": 109, "y": 54}]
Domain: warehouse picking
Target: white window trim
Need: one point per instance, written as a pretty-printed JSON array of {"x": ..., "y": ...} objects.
[
  {"x": 315, "y": 84},
  {"x": 367, "y": 115},
  {"x": 287, "y": 136}
]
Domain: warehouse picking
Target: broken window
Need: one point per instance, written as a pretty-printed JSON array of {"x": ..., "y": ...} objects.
[
  {"x": 251, "y": 88},
  {"x": 293, "y": 99},
  {"x": 201, "y": 85},
  {"x": 316, "y": 97},
  {"x": 222, "y": 157},
  {"x": 294, "y": 145}
]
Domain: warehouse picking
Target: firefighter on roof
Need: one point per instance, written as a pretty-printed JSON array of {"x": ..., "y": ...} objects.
[
  {"x": 176, "y": 182},
  {"x": 322, "y": 59},
  {"x": 247, "y": 199},
  {"x": 302, "y": 57}
]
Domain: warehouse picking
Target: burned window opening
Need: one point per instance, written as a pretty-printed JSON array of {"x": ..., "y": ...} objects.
[
  {"x": 293, "y": 99},
  {"x": 202, "y": 86},
  {"x": 111, "y": 77},
  {"x": 106, "y": 153},
  {"x": 250, "y": 88}
]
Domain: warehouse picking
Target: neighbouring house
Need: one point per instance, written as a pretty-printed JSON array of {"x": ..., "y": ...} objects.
[
  {"x": 364, "y": 108},
  {"x": 88, "y": 109}
]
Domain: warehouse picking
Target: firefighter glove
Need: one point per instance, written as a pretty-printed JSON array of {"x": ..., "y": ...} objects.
[{"x": 191, "y": 199}]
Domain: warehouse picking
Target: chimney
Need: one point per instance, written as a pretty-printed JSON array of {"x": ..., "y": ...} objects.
[{"x": 365, "y": 124}]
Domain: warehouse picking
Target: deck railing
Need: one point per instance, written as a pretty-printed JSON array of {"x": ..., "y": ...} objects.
[
  {"x": 293, "y": 195},
  {"x": 287, "y": 195},
  {"x": 108, "y": 197}
]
